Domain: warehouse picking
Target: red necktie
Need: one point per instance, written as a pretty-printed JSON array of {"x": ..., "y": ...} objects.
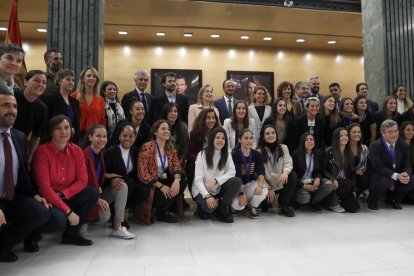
[{"x": 8, "y": 167}]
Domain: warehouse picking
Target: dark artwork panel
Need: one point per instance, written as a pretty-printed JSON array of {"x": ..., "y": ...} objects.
[
  {"x": 193, "y": 80},
  {"x": 243, "y": 78}
]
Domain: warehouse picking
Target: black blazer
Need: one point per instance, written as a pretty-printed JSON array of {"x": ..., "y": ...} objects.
[
  {"x": 129, "y": 97},
  {"x": 24, "y": 183},
  {"x": 142, "y": 136},
  {"x": 299, "y": 163},
  {"x": 159, "y": 103},
  {"x": 56, "y": 105},
  {"x": 115, "y": 164},
  {"x": 301, "y": 126},
  {"x": 221, "y": 105},
  {"x": 381, "y": 161}
]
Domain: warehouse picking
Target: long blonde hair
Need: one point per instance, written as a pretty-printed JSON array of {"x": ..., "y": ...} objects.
[{"x": 81, "y": 92}]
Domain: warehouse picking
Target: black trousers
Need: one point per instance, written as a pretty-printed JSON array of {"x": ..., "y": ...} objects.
[
  {"x": 24, "y": 215},
  {"x": 82, "y": 204},
  {"x": 160, "y": 202},
  {"x": 379, "y": 184},
  {"x": 286, "y": 194},
  {"x": 345, "y": 192},
  {"x": 227, "y": 192},
  {"x": 362, "y": 182}
]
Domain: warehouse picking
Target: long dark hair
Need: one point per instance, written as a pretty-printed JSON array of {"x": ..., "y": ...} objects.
[
  {"x": 334, "y": 117},
  {"x": 200, "y": 129},
  {"x": 234, "y": 116},
  {"x": 209, "y": 150},
  {"x": 359, "y": 143},
  {"x": 384, "y": 107},
  {"x": 347, "y": 161},
  {"x": 403, "y": 126},
  {"x": 175, "y": 128},
  {"x": 302, "y": 140},
  {"x": 261, "y": 145},
  {"x": 90, "y": 132},
  {"x": 274, "y": 109}
]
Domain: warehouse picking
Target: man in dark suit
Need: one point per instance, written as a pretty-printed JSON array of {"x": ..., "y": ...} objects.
[
  {"x": 362, "y": 90},
  {"x": 226, "y": 103},
  {"x": 390, "y": 167},
  {"x": 170, "y": 95},
  {"x": 141, "y": 79},
  {"x": 22, "y": 210}
]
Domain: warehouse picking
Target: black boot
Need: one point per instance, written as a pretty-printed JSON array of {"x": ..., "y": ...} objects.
[
  {"x": 202, "y": 214},
  {"x": 223, "y": 214}
]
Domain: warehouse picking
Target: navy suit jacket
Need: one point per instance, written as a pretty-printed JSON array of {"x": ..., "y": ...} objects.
[
  {"x": 381, "y": 161},
  {"x": 159, "y": 103},
  {"x": 221, "y": 105},
  {"x": 24, "y": 183},
  {"x": 115, "y": 164},
  {"x": 372, "y": 106},
  {"x": 128, "y": 98}
]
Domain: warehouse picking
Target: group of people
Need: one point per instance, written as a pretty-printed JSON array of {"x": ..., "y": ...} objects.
[{"x": 70, "y": 157}]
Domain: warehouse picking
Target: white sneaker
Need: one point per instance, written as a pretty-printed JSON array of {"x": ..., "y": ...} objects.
[
  {"x": 122, "y": 233},
  {"x": 337, "y": 209}
]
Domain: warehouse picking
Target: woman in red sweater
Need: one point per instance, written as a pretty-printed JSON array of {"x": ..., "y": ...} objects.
[{"x": 91, "y": 105}]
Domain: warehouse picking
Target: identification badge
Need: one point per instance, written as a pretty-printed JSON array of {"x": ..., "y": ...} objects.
[{"x": 163, "y": 176}]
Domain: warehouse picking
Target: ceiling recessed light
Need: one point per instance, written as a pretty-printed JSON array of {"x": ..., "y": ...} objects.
[
  {"x": 3, "y": 29},
  {"x": 188, "y": 34},
  {"x": 122, "y": 33},
  {"x": 245, "y": 37},
  {"x": 160, "y": 34},
  {"x": 42, "y": 30},
  {"x": 300, "y": 40},
  {"x": 332, "y": 42},
  {"x": 215, "y": 36},
  {"x": 267, "y": 38}
]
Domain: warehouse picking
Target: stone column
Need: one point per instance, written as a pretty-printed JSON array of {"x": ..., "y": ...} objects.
[
  {"x": 75, "y": 27},
  {"x": 388, "y": 46}
]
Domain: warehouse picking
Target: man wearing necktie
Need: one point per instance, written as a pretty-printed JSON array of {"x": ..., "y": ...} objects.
[
  {"x": 390, "y": 167},
  {"x": 300, "y": 95},
  {"x": 226, "y": 103},
  {"x": 22, "y": 210},
  {"x": 141, "y": 78}
]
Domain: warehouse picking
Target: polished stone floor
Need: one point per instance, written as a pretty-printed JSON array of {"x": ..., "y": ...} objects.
[{"x": 366, "y": 243}]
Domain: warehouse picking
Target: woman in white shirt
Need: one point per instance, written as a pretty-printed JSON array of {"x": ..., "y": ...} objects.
[
  {"x": 239, "y": 121},
  {"x": 260, "y": 109},
  {"x": 215, "y": 184}
]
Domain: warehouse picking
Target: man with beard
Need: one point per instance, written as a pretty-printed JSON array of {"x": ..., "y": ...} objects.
[
  {"x": 22, "y": 210},
  {"x": 226, "y": 103},
  {"x": 54, "y": 63},
  {"x": 314, "y": 86},
  {"x": 170, "y": 96},
  {"x": 11, "y": 60}
]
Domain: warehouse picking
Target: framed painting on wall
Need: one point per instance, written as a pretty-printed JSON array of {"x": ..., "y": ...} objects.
[
  {"x": 193, "y": 80},
  {"x": 244, "y": 79}
]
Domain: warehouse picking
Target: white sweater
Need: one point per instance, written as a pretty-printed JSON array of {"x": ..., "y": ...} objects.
[
  {"x": 231, "y": 133},
  {"x": 203, "y": 174}
]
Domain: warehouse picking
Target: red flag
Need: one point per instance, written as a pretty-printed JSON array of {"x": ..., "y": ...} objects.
[{"x": 13, "y": 37}]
